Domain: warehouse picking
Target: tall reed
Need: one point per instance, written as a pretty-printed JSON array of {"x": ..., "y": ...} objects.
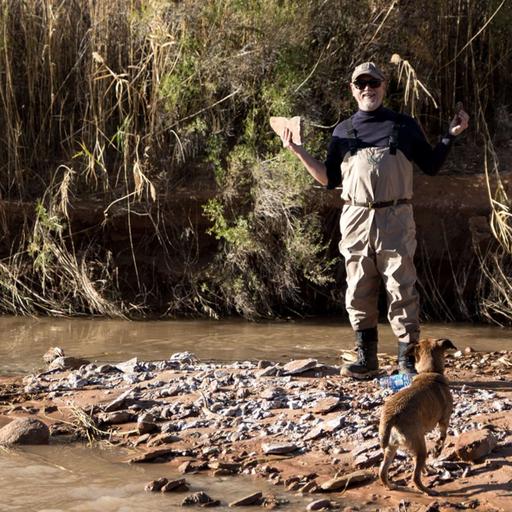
[{"x": 125, "y": 104}]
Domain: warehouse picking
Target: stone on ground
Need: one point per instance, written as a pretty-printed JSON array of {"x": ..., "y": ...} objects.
[
  {"x": 475, "y": 445},
  {"x": 252, "y": 499},
  {"x": 25, "y": 431}
]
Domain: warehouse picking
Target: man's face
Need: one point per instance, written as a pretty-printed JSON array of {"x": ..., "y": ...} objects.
[{"x": 368, "y": 96}]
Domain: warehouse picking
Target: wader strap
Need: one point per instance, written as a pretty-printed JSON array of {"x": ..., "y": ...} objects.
[
  {"x": 393, "y": 138},
  {"x": 352, "y": 138}
]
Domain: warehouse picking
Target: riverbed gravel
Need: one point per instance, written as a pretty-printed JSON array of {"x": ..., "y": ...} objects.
[{"x": 266, "y": 419}]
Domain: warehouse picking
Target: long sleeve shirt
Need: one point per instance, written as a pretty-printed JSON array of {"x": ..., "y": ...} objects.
[{"x": 373, "y": 129}]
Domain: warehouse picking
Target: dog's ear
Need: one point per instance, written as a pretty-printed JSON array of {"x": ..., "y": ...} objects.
[{"x": 445, "y": 344}]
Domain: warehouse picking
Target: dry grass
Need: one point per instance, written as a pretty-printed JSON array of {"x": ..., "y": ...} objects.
[
  {"x": 123, "y": 102},
  {"x": 85, "y": 427}
]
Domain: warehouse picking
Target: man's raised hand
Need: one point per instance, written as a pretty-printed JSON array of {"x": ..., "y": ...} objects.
[
  {"x": 286, "y": 137},
  {"x": 460, "y": 121}
]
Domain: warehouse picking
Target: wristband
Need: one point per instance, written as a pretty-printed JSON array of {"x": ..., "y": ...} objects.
[{"x": 447, "y": 139}]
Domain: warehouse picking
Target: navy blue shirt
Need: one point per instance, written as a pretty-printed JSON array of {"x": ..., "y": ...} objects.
[{"x": 373, "y": 129}]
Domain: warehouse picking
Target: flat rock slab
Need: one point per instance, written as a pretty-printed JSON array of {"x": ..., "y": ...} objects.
[
  {"x": 475, "y": 445},
  {"x": 128, "y": 366},
  {"x": 178, "y": 485},
  {"x": 67, "y": 363},
  {"x": 315, "y": 433},
  {"x": 154, "y": 454},
  {"x": 367, "y": 446},
  {"x": 368, "y": 459},
  {"x": 345, "y": 481},
  {"x": 367, "y": 455},
  {"x": 232, "y": 467},
  {"x": 165, "y": 438},
  {"x": 321, "y": 370},
  {"x": 334, "y": 424},
  {"x": 252, "y": 499},
  {"x": 326, "y": 405},
  {"x": 309, "y": 487},
  {"x": 278, "y": 448},
  {"x": 119, "y": 402},
  {"x": 25, "y": 431},
  {"x": 269, "y": 371},
  {"x": 326, "y": 427},
  {"x": 299, "y": 366},
  {"x": 192, "y": 466}
]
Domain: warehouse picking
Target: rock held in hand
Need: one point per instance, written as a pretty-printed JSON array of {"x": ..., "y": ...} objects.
[{"x": 278, "y": 124}]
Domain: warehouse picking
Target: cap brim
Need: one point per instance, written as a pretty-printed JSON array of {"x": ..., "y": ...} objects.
[{"x": 373, "y": 74}]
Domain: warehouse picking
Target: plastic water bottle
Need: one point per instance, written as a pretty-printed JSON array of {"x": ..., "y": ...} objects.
[{"x": 395, "y": 382}]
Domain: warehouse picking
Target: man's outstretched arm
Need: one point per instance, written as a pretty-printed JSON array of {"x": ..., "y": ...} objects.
[
  {"x": 314, "y": 167},
  {"x": 429, "y": 159}
]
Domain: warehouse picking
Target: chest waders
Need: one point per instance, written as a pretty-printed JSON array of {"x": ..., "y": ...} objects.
[{"x": 378, "y": 241}]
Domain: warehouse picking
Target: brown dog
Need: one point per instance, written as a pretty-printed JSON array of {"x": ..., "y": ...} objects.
[{"x": 412, "y": 412}]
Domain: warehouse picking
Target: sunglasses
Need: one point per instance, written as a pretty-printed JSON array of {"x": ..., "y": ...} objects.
[{"x": 373, "y": 83}]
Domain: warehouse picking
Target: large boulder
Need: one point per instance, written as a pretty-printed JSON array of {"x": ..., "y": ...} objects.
[{"x": 25, "y": 431}]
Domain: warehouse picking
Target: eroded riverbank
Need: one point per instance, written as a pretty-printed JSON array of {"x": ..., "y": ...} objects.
[{"x": 299, "y": 425}]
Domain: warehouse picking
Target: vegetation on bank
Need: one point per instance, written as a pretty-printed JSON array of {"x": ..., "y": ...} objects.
[{"x": 126, "y": 102}]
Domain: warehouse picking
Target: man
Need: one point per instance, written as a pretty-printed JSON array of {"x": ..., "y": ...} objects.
[{"x": 371, "y": 155}]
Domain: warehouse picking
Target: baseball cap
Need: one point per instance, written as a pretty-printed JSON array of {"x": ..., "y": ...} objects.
[{"x": 367, "y": 68}]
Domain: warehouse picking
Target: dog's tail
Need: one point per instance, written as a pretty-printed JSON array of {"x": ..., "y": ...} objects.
[{"x": 385, "y": 432}]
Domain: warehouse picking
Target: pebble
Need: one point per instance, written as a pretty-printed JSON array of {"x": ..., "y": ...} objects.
[
  {"x": 116, "y": 417},
  {"x": 199, "y": 498},
  {"x": 146, "y": 423},
  {"x": 319, "y": 505},
  {"x": 155, "y": 485},
  {"x": 278, "y": 448}
]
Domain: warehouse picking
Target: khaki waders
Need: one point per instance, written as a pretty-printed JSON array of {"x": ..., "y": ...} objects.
[{"x": 378, "y": 241}]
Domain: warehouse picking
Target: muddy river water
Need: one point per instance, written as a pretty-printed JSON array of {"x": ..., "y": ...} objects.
[{"x": 71, "y": 478}]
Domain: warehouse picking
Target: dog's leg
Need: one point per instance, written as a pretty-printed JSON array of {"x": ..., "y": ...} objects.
[
  {"x": 420, "y": 459},
  {"x": 389, "y": 455},
  {"x": 443, "y": 427}
]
